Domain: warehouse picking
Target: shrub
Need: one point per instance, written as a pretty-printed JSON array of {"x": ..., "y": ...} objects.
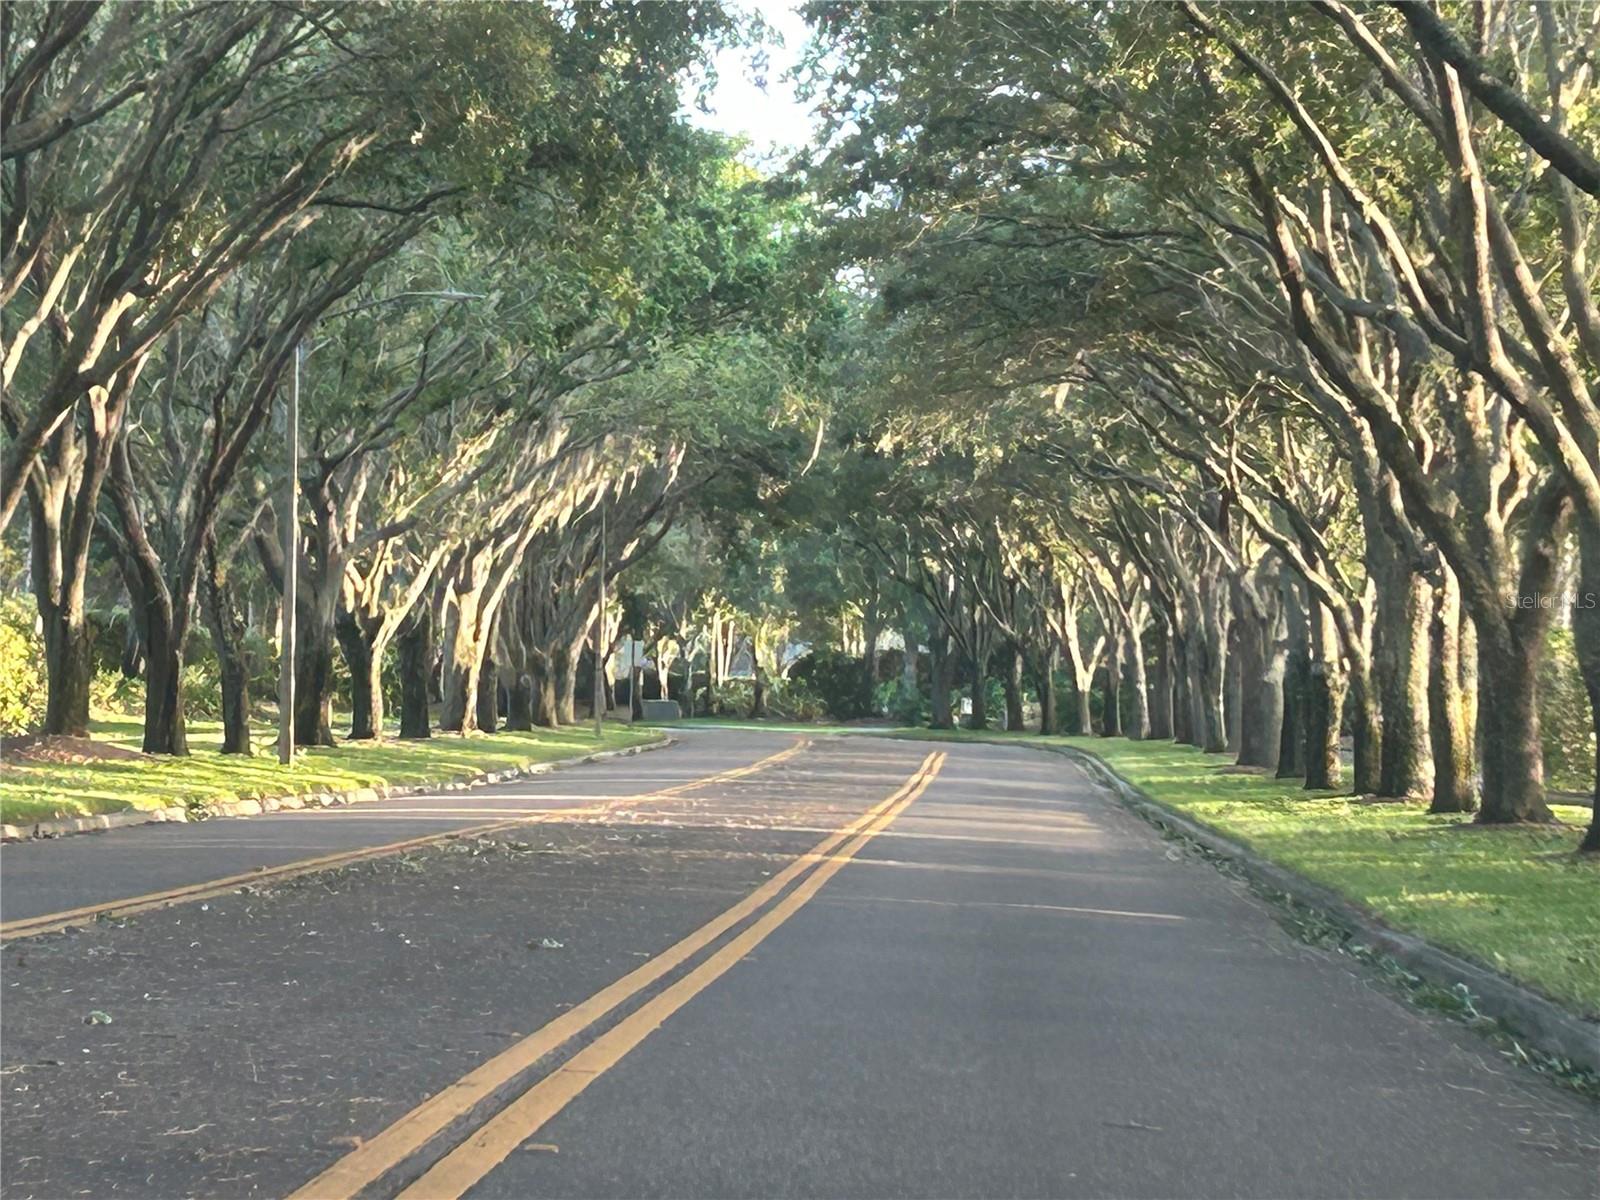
[
  {"x": 22, "y": 677},
  {"x": 113, "y": 692},
  {"x": 795, "y": 700},
  {"x": 1565, "y": 725},
  {"x": 839, "y": 681},
  {"x": 904, "y": 705}
]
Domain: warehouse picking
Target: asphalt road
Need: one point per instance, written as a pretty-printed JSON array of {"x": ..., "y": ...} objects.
[
  {"x": 66, "y": 873},
  {"x": 993, "y": 982}
]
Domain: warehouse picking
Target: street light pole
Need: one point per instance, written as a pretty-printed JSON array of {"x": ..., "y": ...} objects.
[
  {"x": 291, "y": 563},
  {"x": 600, "y": 632}
]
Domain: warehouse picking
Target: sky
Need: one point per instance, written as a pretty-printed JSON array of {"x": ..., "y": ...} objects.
[{"x": 772, "y": 118}]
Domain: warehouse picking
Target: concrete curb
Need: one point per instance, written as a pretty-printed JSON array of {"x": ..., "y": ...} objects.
[
  {"x": 67, "y": 826},
  {"x": 1543, "y": 1024}
]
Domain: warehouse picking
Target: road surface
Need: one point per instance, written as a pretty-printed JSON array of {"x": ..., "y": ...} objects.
[{"x": 864, "y": 968}]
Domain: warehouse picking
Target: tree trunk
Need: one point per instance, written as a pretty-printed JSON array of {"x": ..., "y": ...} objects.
[
  {"x": 1208, "y": 656},
  {"x": 519, "y": 702},
  {"x": 1260, "y": 684},
  {"x": 313, "y": 681},
  {"x": 487, "y": 700},
  {"x": 68, "y": 649},
  {"x": 1325, "y": 688},
  {"x": 542, "y": 681},
  {"x": 758, "y": 693},
  {"x": 366, "y": 690},
  {"x": 164, "y": 728},
  {"x": 1508, "y": 710},
  {"x": 414, "y": 645},
  {"x": 1183, "y": 723},
  {"x": 1296, "y": 682},
  {"x": 567, "y": 664},
  {"x": 1085, "y": 710},
  {"x": 1111, "y": 689},
  {"x": 1047, "y": 690},
  {"x": 908, "y": 661},
  {"x": 1405, "y": 632},
  {"x": 227, "y": 635},
  {"x": 1366, "y": 732},
  {"x": 980, "y": 701},
  {"x": 1012, "y": 684},
  {"x": 1449, "y": 733},
  {"x": 940, "y": 715},
  {"x": 1160, "y": 683},
  {"x": 459, "y": 711},
  {"x": 1586, "y": 639},
  {"x": 1233, "y": 687},
  {"x": 1139, "y": 683}
]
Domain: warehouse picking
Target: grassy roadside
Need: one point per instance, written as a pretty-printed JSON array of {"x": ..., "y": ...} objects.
[
  {"x": 40, "y": 791},
  {"x": 1515, "y": 899}
]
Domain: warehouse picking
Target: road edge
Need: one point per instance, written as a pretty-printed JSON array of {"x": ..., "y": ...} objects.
[
  {"x": 1543, "y": 1023},
  {"x": 68, "y": 826},
  {"x": 1546, "y": 1025}
]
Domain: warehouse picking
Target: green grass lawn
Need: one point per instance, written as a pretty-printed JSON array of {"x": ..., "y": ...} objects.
[
  {"x": 1517, "y": 899},
  {"x": 35, "y": 792}
]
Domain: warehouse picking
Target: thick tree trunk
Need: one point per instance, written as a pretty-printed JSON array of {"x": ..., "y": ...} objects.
[
  {"x": 69, "y": 669},
  {"x": 227, "y": 636},
  {"x": 1296, "y": 681},
  {"x": 1139, "y": 684},
  {"x": 164, "y": 728},
  {"x": 1366, "y": 732},
  {"x": 68, "y": 648},
  {"x": 1209, "y": 656},
  {"x": 519, "y": 702},
  {"x": 908, "y": 661},
  {"x": 1325, "y": 689},
  {"x": 567, "y": 664},
  {"x": 1160, "y": 684},
  {"x": 542, "y": 682},
  {"x": 313, "y": 682},
  {"x": 1233, "y": 685},
  {"x": 1260, "y": 693},
  {"x": 1183, "y": 722},
  {"x": 1111, "y": 688},
  {"x": 1513, "y": 758},
  {"x": 980, "y": 701},
  {"x": 1586, "y": 637},
  {"x": 1450, "y": 735},
  {"x": 366, "y": 688},
  {"x": 487, "y": 700},
  {"x": 414, "y": 645},
  {"x": 940, "y": 714},
  {"x": 1012, "y": 683},
  {"x": 458, "y": 712},
  {"x": 1405, "y": 621},
  {"x": 1047, "y": 690},
  {"x": 758, "y": 694}
]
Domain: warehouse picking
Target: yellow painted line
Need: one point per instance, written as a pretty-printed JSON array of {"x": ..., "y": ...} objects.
[
  {"x": 469, "y": 1162},
  {"x": 410, "y": 1133},
  {"x": 53, "y": 922}
]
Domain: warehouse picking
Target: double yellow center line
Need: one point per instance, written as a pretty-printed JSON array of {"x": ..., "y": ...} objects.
[
  {"x": 513, "y": 1124},
  {"x": 54, "y": 922}
]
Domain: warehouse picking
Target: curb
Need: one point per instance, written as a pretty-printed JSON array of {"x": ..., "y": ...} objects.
[
  {"x": 67, "y": 826},
  {"x": 1544, "y": 1024}
]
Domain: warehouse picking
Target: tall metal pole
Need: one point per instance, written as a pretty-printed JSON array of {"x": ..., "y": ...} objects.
[
  {"x": 291, "y": 564},
  {"x": 600, "y": 633}
]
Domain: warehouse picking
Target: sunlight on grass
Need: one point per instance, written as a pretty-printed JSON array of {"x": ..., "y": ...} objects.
[
  {"x": 1516, "y": 899},
  {"x": 33, "y": 792}
]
